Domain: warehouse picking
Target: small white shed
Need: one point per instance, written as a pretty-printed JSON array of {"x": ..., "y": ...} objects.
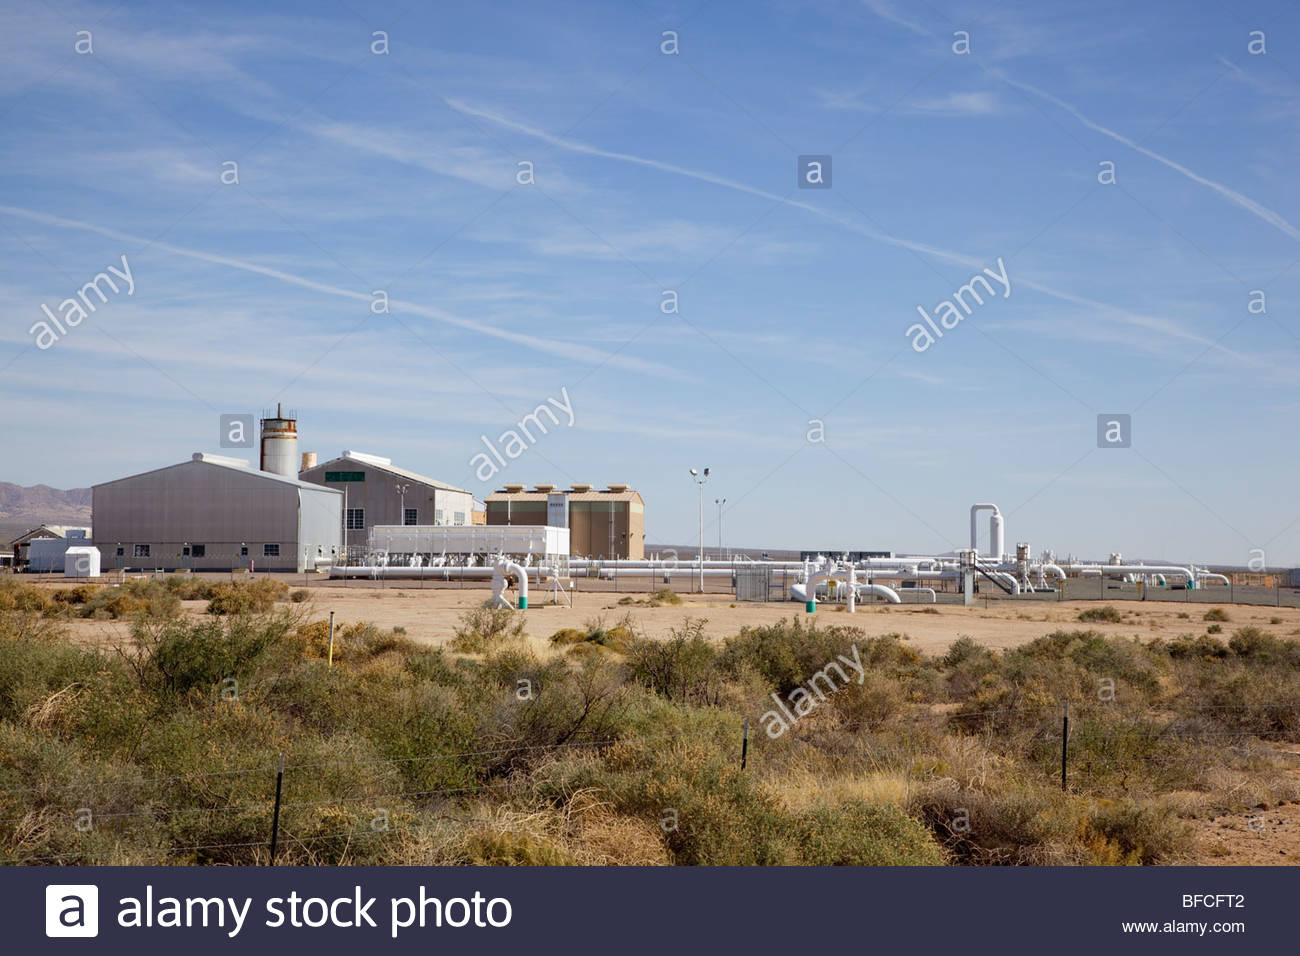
[{"x": 81, "y": 562}]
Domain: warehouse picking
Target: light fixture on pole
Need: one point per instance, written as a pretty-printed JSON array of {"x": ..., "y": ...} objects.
[
  {"x": 401, "y": 506},
  {"x": 719, "y": 502},
  {"x": 700, "y": 479}
]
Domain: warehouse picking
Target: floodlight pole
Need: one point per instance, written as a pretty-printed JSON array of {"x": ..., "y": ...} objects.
[{"x": 699, "y": 480}]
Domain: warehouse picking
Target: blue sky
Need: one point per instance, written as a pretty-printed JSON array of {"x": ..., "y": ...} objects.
[{"x": 361, "y": 171}]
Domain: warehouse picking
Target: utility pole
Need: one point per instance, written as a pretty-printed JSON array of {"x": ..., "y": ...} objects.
[{"x": 699, "y": 481}]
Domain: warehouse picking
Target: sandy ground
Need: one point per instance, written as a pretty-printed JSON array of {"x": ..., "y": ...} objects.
[
  {"x": 1257, "y": 838},
  {"x": 430, "y": 616}
]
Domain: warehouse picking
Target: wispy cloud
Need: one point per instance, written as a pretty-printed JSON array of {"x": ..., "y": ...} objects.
[
  {"x": 1236, "y": 198},
  {"x": 554, "y": 347},
  {"x": 1139, "y": 320}
]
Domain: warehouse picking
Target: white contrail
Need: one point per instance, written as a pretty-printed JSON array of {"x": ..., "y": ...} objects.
[
  {"x": 1245, "y": 202},
  {"x": 1150, "y": 323},
  {"x": 577, "y": 146},
  {"x": 569, "y": 350}
]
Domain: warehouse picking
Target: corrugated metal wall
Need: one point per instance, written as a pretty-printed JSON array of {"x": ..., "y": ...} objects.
[{"x": 216, "y": 507}]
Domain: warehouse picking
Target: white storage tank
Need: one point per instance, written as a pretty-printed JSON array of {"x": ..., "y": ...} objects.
[
  {"x": 280, "y": 444},
  {"x": 81, "y": 562}
]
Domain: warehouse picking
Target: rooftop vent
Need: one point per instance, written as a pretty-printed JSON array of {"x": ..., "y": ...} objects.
[
  {"x": 581, "y": 488},
  {"x": 544, "y": 489},
  {"x": 513, "y": 489},
  {"x": 618, "y": 489}
]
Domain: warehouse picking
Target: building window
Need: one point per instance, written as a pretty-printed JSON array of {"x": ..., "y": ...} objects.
[
  {"x": 141, "y": 551},
  {"x": 460, "y": 518},
  {"x": 270, "y": 550},
  {"x": 345, "y": 476},
  {"x": 437, "y": 516},
  {"x": 356, "y": 519},
  {"x": 199, "y": 550},
  {"x": 243, "y": 550},
  {"x": 410, "y": 516},
  {"x": 121, "y": 552}
]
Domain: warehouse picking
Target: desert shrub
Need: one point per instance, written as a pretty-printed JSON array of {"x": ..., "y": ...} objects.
[
  {"x": 1069, "y": 664},
  {"x": 1136, "y": 834},
  {"x": 863, "y": 834},
  {"x": 869, "y": 704},
  {"x": 33, "y": 670},
  {"x": 569, "y": 635},
  {"x": 1259, "y": 701},
  {"x": 81, "y": 594},
  {"x": 969, "y": 665},
  {"x": 1196, "y": 646},
  {"x": 481, "y": 629},
  {"x": 1106, "y": 614},
  {"x": 188, "y": 587},
  {"x": 18, "y": 595},
  {"x": 1214, "y": 629},
  {"x": 1215, "y": 614},
  {"x": 1016, "y": 825},
  {"x": 137, "y": 598},
  {"x": 710, "y": 813},
  {"x": 787, "y": 653},
  {"x": 490, "y": 847},
  {"x": 256, "y": 597},
  {"x": 172, "y": 658},
  {"x": 298, "y": 595},
  {"x": 681, "y": 668},
  {"x": 1259, "y": 647},
  {"x": 539, "y": 705},
  {"x": 660, "y": 598}
]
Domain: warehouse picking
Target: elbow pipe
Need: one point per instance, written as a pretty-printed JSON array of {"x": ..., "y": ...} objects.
[
  {"x": 521, "y": 579},
  {"x": 996, "y": 541},
  {"x": 879, "y": 590}
]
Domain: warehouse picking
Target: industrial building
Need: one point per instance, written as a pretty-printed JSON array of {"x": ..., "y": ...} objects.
[
  {"x": 377, "y": 492},
  {"x": 608, "y": 523},
  {"x": 20, "y": 547},
  {"x": 214, "y": 513}
]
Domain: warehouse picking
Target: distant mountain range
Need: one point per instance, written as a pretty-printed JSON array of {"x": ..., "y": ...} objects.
[{"x": 24, "y": 508}]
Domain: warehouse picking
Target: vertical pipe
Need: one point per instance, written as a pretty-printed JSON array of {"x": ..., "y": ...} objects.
[{"x": 331, "y": 657}]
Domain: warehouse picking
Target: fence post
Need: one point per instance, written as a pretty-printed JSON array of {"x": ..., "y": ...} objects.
[
  {"x": 744, "y": 744},
  {"x": 1065, "y": 741},
  {"x": 275, "y": 815},
  {"x": 331, "y": 663}
]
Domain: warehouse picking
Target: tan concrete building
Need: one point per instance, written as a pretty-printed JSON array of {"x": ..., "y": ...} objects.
[{"x": 609, "y": 523}]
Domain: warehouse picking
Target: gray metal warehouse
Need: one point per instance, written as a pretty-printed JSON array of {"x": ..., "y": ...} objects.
[
  {"x": 379, "y": 493},
  {"x": 214, "y": 513}
]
